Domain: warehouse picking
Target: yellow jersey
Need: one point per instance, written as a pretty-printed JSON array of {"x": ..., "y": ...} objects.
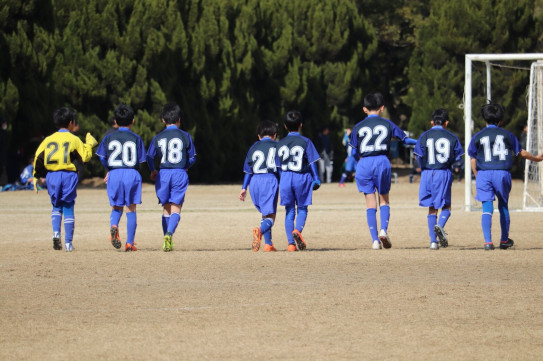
[{"x": 60, "y": 151}]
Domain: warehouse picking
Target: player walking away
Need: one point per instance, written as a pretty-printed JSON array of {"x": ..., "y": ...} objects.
[
  {"x": 55, "y": 160},
  {"x": 174, "y": 150},
  {"x": 350, "y": 162},
  {"x": 262, "y": 179},
  {"x": 296, "y": 160},
  {"x": 371, "y": 138},
  {"x": 121, "y": 152},
  {"x": 491, "y": 151},
  {"x": 436, "y": 150}
]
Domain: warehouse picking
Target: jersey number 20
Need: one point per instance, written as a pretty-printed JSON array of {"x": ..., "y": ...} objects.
[{"x": 122, "y": 153}]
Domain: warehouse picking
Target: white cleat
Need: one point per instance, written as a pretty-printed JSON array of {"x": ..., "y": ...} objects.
[
  {"x": 434, "y": 245},
  {"x": 68, "y": 247},
  {"x": 383, "y": 237},
  {"x": 376, "y": 245}
]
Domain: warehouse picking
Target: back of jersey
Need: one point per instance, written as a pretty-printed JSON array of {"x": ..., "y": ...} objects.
[
  {"x": 174, "y": 147},
  {"x": 261, "y": 157},
  {"x": 59, "y": 151},
  {"x": 123, "y": 149},
  {"x": 494, "y": 148},
  {"x": 438, "y": 148},
  {"x": 295, "y": 153},
  {"x": 372, "y": 136}
]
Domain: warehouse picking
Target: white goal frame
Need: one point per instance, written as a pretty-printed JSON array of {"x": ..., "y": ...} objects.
[{"x": 468, "y": 121}]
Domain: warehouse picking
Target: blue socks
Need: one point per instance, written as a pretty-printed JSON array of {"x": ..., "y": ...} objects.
[
  {"x": 444, "y": 217},
  {"x": 289, "y": 222},
  {"x": 131, "y": 224},
  {"x": 115, "y": 217},
  {"x": 56, "y": 220},
  {"x": 301, "y": 218},
  {"x": 173, "y": 222},
  {"x": 432, "y": 219},
  {"x": 265, "y": 227},
  {"x": 165, "y": 221},
  {"x": 371, "y": 216},
  {"x": 69, "y": 221},
  {"x": 486, "y": 221},
  {"x": 504, "y": 219},
  {"x": 385, "y": 216}
]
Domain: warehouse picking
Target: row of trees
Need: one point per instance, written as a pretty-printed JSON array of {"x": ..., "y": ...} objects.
[{"x": 230, "y": 64}]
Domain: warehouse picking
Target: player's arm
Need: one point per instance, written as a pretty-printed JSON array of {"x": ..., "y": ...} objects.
[
  {"x": 315, "y": 174},
  {"x": 246, "y": 181},
  {"x": 527, "y": 155},
  {"x": 473, "y": 162}
]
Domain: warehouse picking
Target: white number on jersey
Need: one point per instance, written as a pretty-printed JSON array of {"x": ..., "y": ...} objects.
[
  {"x": 172, "y": 151},
  {"x": 498, "y": 149},
  {"x": 366, "y": 133},
  {"x": 126, "y": 151},
  {"x": 258, "y": 160},
  {"x": 297, "y": 154},
  {"x": 441, "y": 146}
]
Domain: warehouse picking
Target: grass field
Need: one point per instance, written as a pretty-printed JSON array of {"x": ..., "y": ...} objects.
[{"x": 213, "y": 298}]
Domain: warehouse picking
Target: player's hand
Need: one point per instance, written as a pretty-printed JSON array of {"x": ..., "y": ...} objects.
[
  {"x": 316, "y": 184},
  {"x": 35, "y": 185},
  {"x": 242, "y": 195},
  {"x": 90, "y": 140},
  {"x": 153, "y": 175},
  {"x": 106, "y": 177}
]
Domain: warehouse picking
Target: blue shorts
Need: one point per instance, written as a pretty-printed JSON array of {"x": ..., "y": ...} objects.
[
  {"x": 373, "y": 173},
  {"x": 171, "y": 186},
  {"x": 61, "y": 186},
  {"x": 264, "y": 193},
  {"x": 435, "y": 188},
  {"x": 493, "y": 182},
  {"x": 124, "y": 187},
  {"x": 296, "y": 189},
  {"x": 350, "y": 164}
]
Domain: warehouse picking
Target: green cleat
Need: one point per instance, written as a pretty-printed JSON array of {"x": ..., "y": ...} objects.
[{"x": 167, "y": 246}]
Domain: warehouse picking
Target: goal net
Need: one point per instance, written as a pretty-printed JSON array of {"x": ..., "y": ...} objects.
[{"x": 533, "y": 180}]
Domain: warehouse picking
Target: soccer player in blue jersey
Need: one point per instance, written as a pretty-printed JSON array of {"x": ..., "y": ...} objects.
[
  {"x": 262, "y": 179},
  {"x": 492, "y": 152},
  {"x": 299, "y": 177},
  {"x": 121, "y": 152},
  {"x": 55, "y": 160},
  {"x": 371, "y": 139},
  {"x": 436, "y": 151},
  {"x": 175, "y": 152}
]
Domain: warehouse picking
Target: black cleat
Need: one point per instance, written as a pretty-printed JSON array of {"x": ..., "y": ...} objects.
[
  {"x": 507, "y": 244},
  {"x": 441, "y": 236},
  {"x": 489, "y": 246},
  {"x": 56, "y": 244}
]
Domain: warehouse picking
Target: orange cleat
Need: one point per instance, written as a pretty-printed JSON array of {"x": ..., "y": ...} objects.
[
  {"x": 269, "y": 248},
  {"x": 130, "y": 248},
  {"x": 257, "y": 238},
  {"x": 291, "y": 248},
  {"x": 114, "y": 237},
  {"x": 299, "y": 240}
]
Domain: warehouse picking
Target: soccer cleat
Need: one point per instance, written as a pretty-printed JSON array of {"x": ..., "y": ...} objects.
[
  {"x": 257, "y": 238},
  {"x": 56, "y": 242},
  {"x": 299, "y": 240},
  {"x": 130, "y": 248},
  {"x": 291, "y": 248},
  {"x": 489, "y": 246},
  {"x": 269, "y": 248},
  {"x": 507, "y": 244},
  {"x": 341, "y": 185},
  {"x": 68, "y": 247},
  {"x": 167, "y": 246},
  {"x": 383, "y": 237},
  {"x": 441, "y": 236},
  {"x": 376, "y": 245},
  {"x": 114, "y": 237},
  {"x": 434, "y": 245}
]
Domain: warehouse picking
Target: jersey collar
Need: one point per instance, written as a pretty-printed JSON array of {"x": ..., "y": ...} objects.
[
  {"x": 492, "y": 126},
  {"x": 63, "y": 130},
  {"x": 171, "y": 126}
]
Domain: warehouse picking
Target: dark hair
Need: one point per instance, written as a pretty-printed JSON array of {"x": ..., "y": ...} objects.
[
  {"x": 171, "y": 113},
  {"x": 266, "y": 128},
  {"x": 440, "y": 116},
  {"x": 63, "y": 116},
  {"x": 374, "y": 101},
  {"x": 124, "y": 115},
  {"x": 492, "y": 113},
  {"x": 293, "y": 119}
]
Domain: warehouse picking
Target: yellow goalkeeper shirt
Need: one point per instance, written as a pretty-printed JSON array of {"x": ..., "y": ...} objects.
[{"x": 60, "y": 151}]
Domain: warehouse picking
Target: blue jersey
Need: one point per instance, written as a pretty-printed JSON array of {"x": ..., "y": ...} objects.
[
  {"x": 174, "y": 147},
  {"x": 122, "y": 149},
  {"x": 372, "y": 136},
  {"x": 438, "y": 148},
  {"x": 261, "y": 157},
  {"x": 494, "y": 148},
  {"x": 295, "y": 153}
]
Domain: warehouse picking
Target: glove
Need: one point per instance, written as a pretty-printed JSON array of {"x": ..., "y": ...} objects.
[
  {"x": 90, "y": 140},
  {"x": 316, "y": 184}
]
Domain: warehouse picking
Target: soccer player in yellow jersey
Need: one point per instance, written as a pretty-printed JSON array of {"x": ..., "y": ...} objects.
[{"x": 54, "y": 160}]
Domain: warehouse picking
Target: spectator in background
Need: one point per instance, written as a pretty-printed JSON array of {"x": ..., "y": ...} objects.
[
  {"x": 326, "y": 162},
  {"x": 457, "y": 169},
  {"x": 3, "y": 143}
]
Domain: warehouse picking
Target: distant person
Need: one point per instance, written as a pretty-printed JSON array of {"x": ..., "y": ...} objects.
[
  {"x": 415, "y": 169},
  {"x": 121, "y": 152},
  {"x": 3, "y": 144},
  {"x": 54, "y": 160},
  {"x": 371, "y": 139},
  {"x": 262, "y": 180},
  {"x": 349, "y": 165},
  {"x": 436, "y": 149},
  {"x": 296, "y": 159},
  {"x": 457, "y": 169},
  {"x": 491, "y": 151},
  {"x": 174, "y": 150},
  {"x": 326, "y": 161}
]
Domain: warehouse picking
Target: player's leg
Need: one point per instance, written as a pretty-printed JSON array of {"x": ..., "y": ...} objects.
[
  {"x": 114, "y": 219},
  {"x": 384, "y": 212},
  {"x": 166, "y": 211},
  {"x": 175, "y": 218},
  {"x": 503, "y": 188},
  {"x": 301, "y": 218},
  {"x": 288, "y": 200},
  {"x": 440, "y": 225},
  {"x": 131, "y": 183},
  {"x": 56, "y": 222},
  {"x": 441, "y": 187},
  {"x": 266, "y": 230},
  {"x": 290, "y": 215},
  {"x": 486, "y": 224},
  {"x": 131, "y": 225},
  {"x": 54, "y": 191},
  {"x": 485, "y": 194},
  {"x": 432, "y": 221},
  {"x": 371, "y": 218},
  {"x": 69, "y": 224}
]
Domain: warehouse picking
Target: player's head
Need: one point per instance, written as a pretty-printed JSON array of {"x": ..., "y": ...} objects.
[
  {"x": 293, "y": 120},
  {"x": 266, "y": 128},
  {"x": 492, "y": 113},
  {"x": 63, "y": 116},
  {"x": 124, "y": 115},
  {"x": 440, "y": 116},
  {"x": 374, "y": 101},
  {"x": 171, "y": 113}
]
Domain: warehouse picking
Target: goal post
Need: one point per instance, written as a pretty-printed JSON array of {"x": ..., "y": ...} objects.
[{"x": 468, "y": 120}]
